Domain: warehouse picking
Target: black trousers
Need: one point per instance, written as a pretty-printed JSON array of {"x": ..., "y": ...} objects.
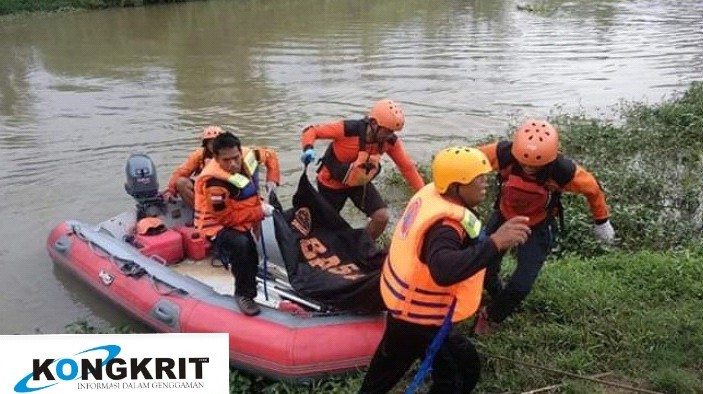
[
  {"x": 530, "y": 259},
  {"x": 366, "y": 198},
  {"x": 455, "y": 369},
  {"x": 240, "y": 250}
]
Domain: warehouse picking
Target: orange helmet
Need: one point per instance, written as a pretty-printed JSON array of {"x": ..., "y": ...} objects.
[
  {"x": 536, "y": 143},
  {"x": 211, "y": 132},
  {"x": 388, "y": 114},
  {"x": 150, "y": 225},
  {"x": 458, "y": 164}
]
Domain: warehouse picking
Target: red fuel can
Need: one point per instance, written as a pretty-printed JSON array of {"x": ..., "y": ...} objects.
[
  {"x": 167, "y": 246},
  {"x": 194, "y": 245}
]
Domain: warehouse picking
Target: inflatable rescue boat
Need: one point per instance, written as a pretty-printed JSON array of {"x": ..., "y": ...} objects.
[{"x": 170, "y": 281}]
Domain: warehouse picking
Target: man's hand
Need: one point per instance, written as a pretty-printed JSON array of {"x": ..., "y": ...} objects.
[
  {"x": 168, "y": 195},
  {"x": 268, "y": 209},
  {"x": 513, "y": 232}
]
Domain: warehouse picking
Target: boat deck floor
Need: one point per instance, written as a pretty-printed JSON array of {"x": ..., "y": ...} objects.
[
  {"x": 221, "y": 280},
  {"x": 213, "y": 275}
]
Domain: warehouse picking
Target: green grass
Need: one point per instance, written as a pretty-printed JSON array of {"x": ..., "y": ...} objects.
[
  {"x": 638, "y": 315},
  {"x": 24, "y": 6}
]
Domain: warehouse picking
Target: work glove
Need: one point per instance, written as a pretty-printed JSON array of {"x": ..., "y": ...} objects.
[
  {"x": 513, "y": 232},
  {"x": 270, "y": 187},
  {"x": 268, "y": 209},
  {"x": 308, "y": 156},
  {"x": 604, "y": 232}
]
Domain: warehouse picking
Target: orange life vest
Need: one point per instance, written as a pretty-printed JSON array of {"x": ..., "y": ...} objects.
[
  {"x": 357, "y": 173},
  {"x": 202, "y": 159},
  {"x": 407, "y": 287},
  {"x": 520, "y": 197},
  {"x": 201, "y": 166},
  {"x": 217, "y": 207},
  {"x": 190, "y": 168}
]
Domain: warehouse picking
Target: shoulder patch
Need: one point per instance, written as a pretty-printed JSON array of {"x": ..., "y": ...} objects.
[
  {"x": 355, "y": 127},
  {"x": 409, "y": 216},
  {"x": 563, "y": 170},
  {"x": 219, "y": 183}
]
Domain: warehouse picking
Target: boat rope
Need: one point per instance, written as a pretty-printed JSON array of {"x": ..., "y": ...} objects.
[
  {"x": 437, "y": 341},
  {"x": 571, "y": 374},
  {"x": 266, "y": 271},
  {"x": 553, "y": 387},
  {"x": 128, "y": 267},
  {"x": 172, "y": 289}
]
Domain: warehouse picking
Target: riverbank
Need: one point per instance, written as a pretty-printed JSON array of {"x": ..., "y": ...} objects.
[{"x": 8, "y": 7}]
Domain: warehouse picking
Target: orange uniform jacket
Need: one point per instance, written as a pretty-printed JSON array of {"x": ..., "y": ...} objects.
[
  {"x": 561, "y": 175},
  {"x": 345, "y": 145},
  {"x": 193, "y": 165},
  {"x": 222, "y": 202}
]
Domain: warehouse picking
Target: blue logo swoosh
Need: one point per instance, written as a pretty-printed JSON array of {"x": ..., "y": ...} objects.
[{"x": 112, "y": 352}]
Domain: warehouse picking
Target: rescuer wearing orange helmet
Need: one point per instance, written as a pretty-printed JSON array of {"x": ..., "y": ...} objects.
[
  {"x": 532, "y": 175},
  {"x": 353, "y": 159},
  {"x": 433, "y": 276},
  {"x": 182, "y": 179}
]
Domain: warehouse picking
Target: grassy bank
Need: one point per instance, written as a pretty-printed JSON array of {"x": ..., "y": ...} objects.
[
  {"x": 649, "y": 160},
  {"x": 637, "y": 315},
  {"x": 23, "y": 6}
]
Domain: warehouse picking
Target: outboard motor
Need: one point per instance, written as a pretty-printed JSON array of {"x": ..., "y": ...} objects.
[{"x": 143, "y": 185}]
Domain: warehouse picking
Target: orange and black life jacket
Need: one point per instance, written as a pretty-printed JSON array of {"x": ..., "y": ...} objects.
[
  {"x": 407, "y": 287},
  {"x": 228, "y": 200},
  {"x": 360, "y": 171},
  {"x": 521, "y": 197},
  {"x": 539, "y": 197}
]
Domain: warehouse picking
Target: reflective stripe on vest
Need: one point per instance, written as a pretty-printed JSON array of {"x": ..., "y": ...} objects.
[
  {"x": 250, "y": 165},
  {"x": 407, "y": 287},
  {"x": 471, "y": 224}
]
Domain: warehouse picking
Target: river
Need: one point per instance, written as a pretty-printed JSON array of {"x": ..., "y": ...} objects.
[{"x": 81, "y": 91}]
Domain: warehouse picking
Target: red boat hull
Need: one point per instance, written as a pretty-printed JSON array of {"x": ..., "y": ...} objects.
[{"x": 276, "y": 344}]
